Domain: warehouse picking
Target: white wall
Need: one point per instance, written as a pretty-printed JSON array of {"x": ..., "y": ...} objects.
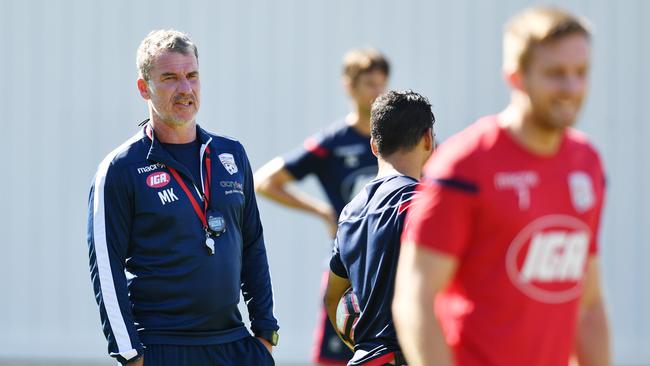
[{"x": 270, "y": 75}]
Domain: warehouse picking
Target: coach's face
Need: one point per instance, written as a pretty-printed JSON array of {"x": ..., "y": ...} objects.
[
  {"x": 556, "y": 80},
  {"x": 173, "y": 90}
]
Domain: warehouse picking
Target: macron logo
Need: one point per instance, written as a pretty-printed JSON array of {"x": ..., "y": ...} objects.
[
  {"x": 520, "y": 182},
  {"x": 149, "y": 168},
  {"x": 167, "y": 196}
]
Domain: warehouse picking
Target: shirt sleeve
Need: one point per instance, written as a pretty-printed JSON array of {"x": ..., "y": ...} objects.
[
  {"x": 441, "y": 213},
  {"x": 336, "y": 265},
  {"x": 256, "y": 279},
  {"x": 109, "y": 225},
  {"x": 307, "y": 158}
]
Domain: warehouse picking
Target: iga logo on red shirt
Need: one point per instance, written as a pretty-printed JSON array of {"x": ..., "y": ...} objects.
[
  {"x": 158, "y": 179},
  {"x": 547, "y": 259}
]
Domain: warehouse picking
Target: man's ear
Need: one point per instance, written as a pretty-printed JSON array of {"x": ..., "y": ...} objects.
[
  {"x": 429, "y": 142},
  {"x": 143, "y": 88},
  {"x": 347, "y": 84},
  {"x": 373, "y": 147},
  {"x": 515, "y": 79}
]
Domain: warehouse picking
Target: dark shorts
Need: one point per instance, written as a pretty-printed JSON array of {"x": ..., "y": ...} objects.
[
  {"x": 388, "y": 359},
  {"x": 328, "y": 347},
  {"x": 244, "y": 352}
]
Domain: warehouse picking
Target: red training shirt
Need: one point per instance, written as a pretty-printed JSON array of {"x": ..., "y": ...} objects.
[{"x": 522, "y": 227}]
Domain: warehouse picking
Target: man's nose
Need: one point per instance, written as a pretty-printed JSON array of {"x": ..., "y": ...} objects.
[
  {"x": 184, "y": 86},
  {"x": 574, "y": 83}
]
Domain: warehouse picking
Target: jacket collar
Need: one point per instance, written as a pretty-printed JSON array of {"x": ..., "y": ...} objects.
[{"x": 158, "y": 154}]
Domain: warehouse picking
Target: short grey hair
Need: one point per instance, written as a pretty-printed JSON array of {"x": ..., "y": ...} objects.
[{"x": 159, "y": 41}]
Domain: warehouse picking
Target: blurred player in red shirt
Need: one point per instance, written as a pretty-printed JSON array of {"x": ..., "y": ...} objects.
[{"x": 504, "y": 236}]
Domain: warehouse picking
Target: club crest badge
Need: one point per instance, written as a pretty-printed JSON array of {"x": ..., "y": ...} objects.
[
  {"x": 228, "y": 162},
  {"x": 582, "y": 191}
]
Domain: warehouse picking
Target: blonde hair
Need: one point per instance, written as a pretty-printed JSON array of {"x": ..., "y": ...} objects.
[
  {"x": 533, "y": 27},
  {"x": 360, "y": 61},
  {"x": 158, "y": 41}
]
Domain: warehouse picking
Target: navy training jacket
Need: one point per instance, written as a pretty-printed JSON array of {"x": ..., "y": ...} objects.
[
  {"x": 366, "y": 251},
  {"x": 154, "y": 279}
]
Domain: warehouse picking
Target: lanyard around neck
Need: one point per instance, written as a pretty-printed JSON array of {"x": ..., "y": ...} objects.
[{"x": 200, "y": 212}]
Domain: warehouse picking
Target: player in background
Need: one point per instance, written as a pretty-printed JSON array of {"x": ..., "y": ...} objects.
[
  {"x": 367, "y": 243},
  {"x": 341, "y": 159},
  {"x": 504, "y": 234}
]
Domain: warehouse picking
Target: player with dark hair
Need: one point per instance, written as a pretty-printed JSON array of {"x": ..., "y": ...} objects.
[
  {"x": 367, "y": 243},
  {"x": 499, "y": 262},
  {"x": 340, "y": 158}
]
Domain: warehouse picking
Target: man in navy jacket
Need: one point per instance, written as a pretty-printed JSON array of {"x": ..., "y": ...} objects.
[{"x": 174, "y": 231}]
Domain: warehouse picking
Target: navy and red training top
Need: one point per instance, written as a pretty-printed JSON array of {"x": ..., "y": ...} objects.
[
  {"x": 341, "y": 159},
  {"x": 366, "y": 251},
  {"x": 154, "y": 279}
]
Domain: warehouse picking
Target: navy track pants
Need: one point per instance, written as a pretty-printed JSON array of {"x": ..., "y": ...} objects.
[{"x": 244, "y": 352}]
